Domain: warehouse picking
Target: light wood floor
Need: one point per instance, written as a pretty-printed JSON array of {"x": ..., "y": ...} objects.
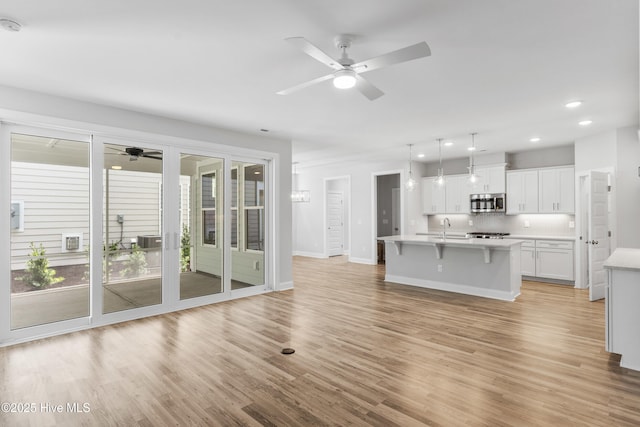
[{"x": 367, "y": 353}]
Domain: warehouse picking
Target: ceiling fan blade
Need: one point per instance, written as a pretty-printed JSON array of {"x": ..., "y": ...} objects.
[
  {"x": 314, "y": 52},
  {"x": 419, "y": 50},
  {"x": 367, "y": 89},
  {"x": 305, "y": 84},
  {"x": 153, "y": 153},
  {"x": 151, "y": 157}
]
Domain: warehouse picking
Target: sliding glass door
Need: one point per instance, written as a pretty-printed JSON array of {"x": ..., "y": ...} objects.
[
  {"x": 132, "y": 227},
  {"x": 202, "y": 237},
  {"x": 49, "y": 228},
  {"x": 248, "y": 225},
  {"x": 106, "y": 230}
]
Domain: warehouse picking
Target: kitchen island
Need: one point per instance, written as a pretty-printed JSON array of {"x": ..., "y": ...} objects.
[{"x": 482, "y": 267}]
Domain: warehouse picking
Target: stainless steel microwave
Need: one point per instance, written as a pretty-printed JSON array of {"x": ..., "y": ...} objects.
[{"x": 495, "y": 202}]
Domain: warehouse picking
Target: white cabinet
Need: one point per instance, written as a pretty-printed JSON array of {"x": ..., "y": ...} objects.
[
  {"x": 457, "y": 194},
  {"x": 547, "y": 259},
  {"x": 528, "y": 258},
  {"x": 556, "y": 190},
  {"x": 554, "y": 259},
  {"x": 490, "y": 179},
  {"x": 433, "y": 197},
  {"x": 622, "y": 317},
  {"x": 522, "y": 191}
]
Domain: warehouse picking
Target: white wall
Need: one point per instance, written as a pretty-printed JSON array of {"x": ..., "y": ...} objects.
[
  {"x": 309, "y": 217},
  {"x": 32, "y": 108},
  {"x": 628, "y": 188},
  {"x": 617, "y": 150}
]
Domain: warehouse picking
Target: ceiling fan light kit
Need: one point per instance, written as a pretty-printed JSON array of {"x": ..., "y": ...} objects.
[
  {"x": 346, "y": 72},
  {"x": 344, "y": 79}
]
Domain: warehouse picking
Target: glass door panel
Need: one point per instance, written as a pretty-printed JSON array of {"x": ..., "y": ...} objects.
[
  {"x": 49, "y": 230},
  {"x": 202, "y": 235},
  {"x": 132, "y": 227},
  {"x": 247, "y": 257}
]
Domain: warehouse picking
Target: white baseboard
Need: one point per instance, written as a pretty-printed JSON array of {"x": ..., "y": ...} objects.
[
  {"x": 451, "y": 287},
  {"x": 284, "y": 286},
  {"x": 309, "y": 254},
  {"x": 362, "y": 261}
]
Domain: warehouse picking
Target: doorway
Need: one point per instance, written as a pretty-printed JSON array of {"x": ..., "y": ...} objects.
[{"x": 387, "y": 210}]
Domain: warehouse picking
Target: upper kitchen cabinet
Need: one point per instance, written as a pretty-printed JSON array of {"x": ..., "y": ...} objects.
[
  {"x": 457, "y": 194},
  {"x": 490, "y": 179},
  {"x": 433, "y": 197},
  {"x": 556, "y": 190},
  {"x": 522, "y": 192}
]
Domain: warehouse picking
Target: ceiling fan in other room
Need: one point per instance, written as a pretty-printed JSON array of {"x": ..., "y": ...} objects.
[
  {"x": 346, "y": 71},
  {"x": 134, "y": 153}
]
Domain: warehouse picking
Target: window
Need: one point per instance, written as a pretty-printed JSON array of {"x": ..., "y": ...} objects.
[
  {"x": 254, "y": 207},
  {"x": 208, "y": 185},
  {"x": 234, "y": 208}
]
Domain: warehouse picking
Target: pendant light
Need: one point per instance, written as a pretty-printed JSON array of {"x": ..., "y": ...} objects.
[
  {"x": 440, "y": 178},
  {"x": 410, "y": 184},
  {"x": 298, "y": 195},
  {"x": 473, "y": 178}
]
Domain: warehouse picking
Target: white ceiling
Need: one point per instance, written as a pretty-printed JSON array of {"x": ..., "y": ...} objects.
[{"x": 502, "y": 68}]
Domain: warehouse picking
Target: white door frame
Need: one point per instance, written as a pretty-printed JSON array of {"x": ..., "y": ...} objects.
[
  {"x": 325, "y": 222},
  {"x": 374, "y": 207}
]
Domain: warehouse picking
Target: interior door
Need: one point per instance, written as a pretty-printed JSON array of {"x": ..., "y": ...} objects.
[
  {"x": 335, "y": 214},
  {"x": 598, "y": 233}
]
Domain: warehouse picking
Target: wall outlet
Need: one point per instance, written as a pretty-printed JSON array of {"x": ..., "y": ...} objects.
[
  {"x": 572, "y": 224},
  {"x": 439, "y": 268},
  {"x": 470, "y": 223},
  {"x": 526, "y": 224}
]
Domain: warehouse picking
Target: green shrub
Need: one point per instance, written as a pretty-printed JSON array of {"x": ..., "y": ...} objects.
[
  {"x": 185, "y": 249},
  {"x": 136, "y": 264},
  {"x": 38, "y": 273}
]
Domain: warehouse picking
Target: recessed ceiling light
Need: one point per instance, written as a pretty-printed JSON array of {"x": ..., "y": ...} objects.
[
  {"x": 471, "y": 148},
  {"x": 420, "y": 155},
  {"x": 585, "y": 122},
  {"x": 10, "y": 25},
  {"x": 573, "y": 104},
  {"x": 535, "y": 139},
  {"x": 448, "y": 144}
]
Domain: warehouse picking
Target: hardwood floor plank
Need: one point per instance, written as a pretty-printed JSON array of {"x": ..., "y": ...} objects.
[{"x": 368, "y": 352}]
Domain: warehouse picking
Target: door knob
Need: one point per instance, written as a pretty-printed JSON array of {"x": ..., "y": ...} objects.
[{"x": 594, "y": 242}]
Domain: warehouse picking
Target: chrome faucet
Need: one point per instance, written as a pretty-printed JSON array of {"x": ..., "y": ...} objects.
[{"x": 445, "y": 222}]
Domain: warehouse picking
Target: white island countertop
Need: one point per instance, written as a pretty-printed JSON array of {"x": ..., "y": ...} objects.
[
  {"x": 452, "y": 241},
  {"x": 624, "y": 258},
  {"x": 486, "y": 245}
]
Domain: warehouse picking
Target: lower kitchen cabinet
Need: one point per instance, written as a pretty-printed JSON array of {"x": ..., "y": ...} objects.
[
  {"x": 528, "y": 258},
  {"x": 548, "y": 259},
  {"x": 622, "y": 317}
]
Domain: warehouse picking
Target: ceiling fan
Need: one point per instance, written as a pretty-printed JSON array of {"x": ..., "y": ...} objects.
[
  {"x": 346, "y": 71},
  {"x": 134, "y": 153}
]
